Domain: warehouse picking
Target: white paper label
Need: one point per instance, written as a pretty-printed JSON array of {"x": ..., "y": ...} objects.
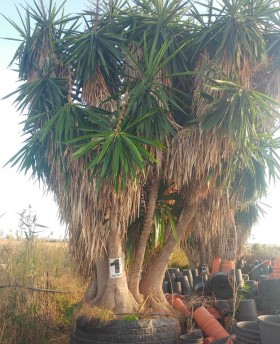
[{"x": 115, "y": 267}]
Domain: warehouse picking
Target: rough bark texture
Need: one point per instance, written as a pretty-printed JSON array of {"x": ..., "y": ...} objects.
[
  {"x": 99, "y": 281},
  {"x": 113, "y": 293},
  {"x": 151, "y": 284},
  {"x": 135, "y": 274}
]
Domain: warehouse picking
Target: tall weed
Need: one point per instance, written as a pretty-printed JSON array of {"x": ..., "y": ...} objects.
[{"x": 35, "y": 317}]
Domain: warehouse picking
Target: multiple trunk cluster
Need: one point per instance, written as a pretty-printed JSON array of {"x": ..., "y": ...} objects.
[{"x": 152, "y": 128}]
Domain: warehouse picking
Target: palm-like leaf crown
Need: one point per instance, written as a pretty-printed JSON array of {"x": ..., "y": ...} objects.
[{"x": 149, "y": 87}]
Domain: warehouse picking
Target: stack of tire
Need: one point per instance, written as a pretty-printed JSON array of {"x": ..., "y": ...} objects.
[
  {"x": 219, "y": 284},
  {"x": 127, "y": 332}
]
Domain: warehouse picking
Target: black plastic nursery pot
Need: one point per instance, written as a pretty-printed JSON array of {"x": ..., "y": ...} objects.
[
  {"x": 270, "y": 329},
  {"x": 176, "y": 287},
  {"x": 191, "y": 339},
  {"x": 194, "y": 273},
  {"x": 270, "y": 291},
  {"x": 188, "y": 273},
  {"x": 185, "y": 285},
  {"x": 248, "y": 332},
  {"x": 148, "y": 331},
  {"x": 247, "y": 310},
  {"x": 248, "y": 327},
  {"x": 166, "y": 287},
  {"x": 236, "y": 275}
]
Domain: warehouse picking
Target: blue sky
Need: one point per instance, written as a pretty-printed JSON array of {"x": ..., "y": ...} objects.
[{"x": 18, "y": 191}]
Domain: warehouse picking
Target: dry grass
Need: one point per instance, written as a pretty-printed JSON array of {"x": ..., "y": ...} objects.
[
  {"x": 29, "y": 316},
  {"x": 179, "y": 259}
]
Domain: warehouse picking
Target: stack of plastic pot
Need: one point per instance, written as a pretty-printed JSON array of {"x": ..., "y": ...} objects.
[
  {"x": 166, "y": 287},
  {"x": 208, "y": 324},
  {"x": 194, "y": 273},
  {"x": 216, "y": 265},
  {"x": 188, "y": 273},
  {"x": 185, "y": 285},
  {"x": 247, "y": 310},
  {"x": 270, "y": 329},
  {"x": 200, "y": 284},
  {"x": 266, "y": 267},
  {"x": 227, "y": 265},
  {"x": 176, "y": 302},
  {"x": 248, "y": 332},
  {"x": 214, "y": 311},
  {"x": 276, "y": 268},
  {"x": 267, "y": 262},
  {"x": 236, "y": 275},
  {"x": 255, "y": 273},
  {"x": 170, "y": 284},
  {"x": 176, "y": 283},
  {"x": 270, "y": 291},
  {"x": 225, "y": 340}
]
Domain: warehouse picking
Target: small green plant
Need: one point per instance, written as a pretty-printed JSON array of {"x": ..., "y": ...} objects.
[
  {"x": 130, "y": 317},
  {"x": 94, "y": 314}
]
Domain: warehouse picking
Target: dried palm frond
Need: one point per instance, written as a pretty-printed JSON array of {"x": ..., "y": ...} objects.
[
  {"x": 194, "y": 152},
  {"x": 87, "y": 212},
  {"x": 134, "y": 59},
  {"x": 96, "y": 93},
  {"x": 266, "y": 78}
]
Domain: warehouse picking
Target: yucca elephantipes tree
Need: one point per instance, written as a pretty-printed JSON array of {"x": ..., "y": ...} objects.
[
  {"x": 147, "y": 120},
  {"x": 228, "y": 241}
]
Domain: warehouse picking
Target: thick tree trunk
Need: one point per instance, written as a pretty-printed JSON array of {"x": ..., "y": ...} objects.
[
  {"x": 99, "y": 281},
  {"x": 151, "y": 284},
  {"x": 111, "y": 291},
  {"x": 135, "y": 274}
]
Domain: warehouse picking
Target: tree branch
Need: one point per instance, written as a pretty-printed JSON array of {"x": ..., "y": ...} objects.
[
  {"x": 35, "y": 289},
  {"x": 134, "y": 278}
]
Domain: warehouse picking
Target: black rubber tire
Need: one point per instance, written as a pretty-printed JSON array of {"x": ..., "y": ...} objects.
[{"x": 152, "y": 331}]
